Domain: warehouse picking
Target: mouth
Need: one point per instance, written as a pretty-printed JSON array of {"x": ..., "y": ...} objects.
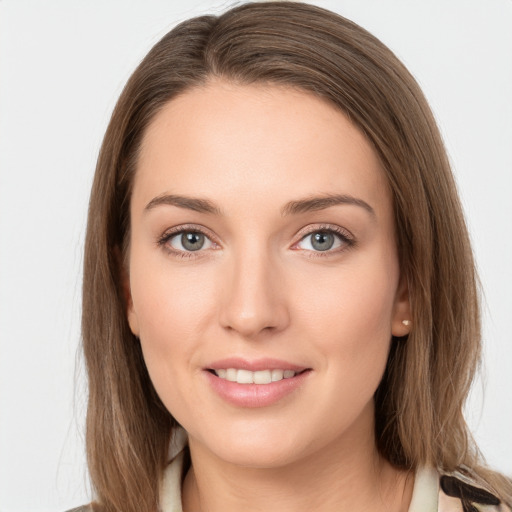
[
  {"x": 243, "y": 376},
  {"x": 256, "y": 383}
]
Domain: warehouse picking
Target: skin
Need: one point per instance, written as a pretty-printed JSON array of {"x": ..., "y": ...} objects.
[{"x": 259, "y": 288}]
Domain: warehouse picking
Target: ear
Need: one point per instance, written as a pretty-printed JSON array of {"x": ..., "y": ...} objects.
[
  {"x": 124, "y": 280},
  {"x": 402, "y": 316}
]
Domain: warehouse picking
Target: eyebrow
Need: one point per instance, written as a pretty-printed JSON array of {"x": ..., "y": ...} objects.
[
  {"x": 308, "y": 204},
  {"x": 189, "y": 203},
  {"x": 322, "y": 202}
]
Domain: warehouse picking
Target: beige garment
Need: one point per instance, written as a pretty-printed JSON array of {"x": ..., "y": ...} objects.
[
  {"x": 428, "y": 494},
  {"x": 432, "y": 492}
]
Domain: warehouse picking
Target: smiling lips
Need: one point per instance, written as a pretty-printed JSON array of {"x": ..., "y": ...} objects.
[{"x": 255, "y": 384}]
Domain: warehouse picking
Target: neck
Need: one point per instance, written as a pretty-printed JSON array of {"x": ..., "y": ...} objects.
[{"x": 346, "y": 475}]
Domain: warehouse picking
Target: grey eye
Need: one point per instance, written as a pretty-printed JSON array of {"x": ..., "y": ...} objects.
[
  {"x": 322, "y": 241},
  {"x": 192, "y": 241}
]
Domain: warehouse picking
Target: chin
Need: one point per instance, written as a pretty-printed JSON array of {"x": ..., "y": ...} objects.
[
  {"x": 258, "y": 446},
  {"x": 258, "y": 458}
]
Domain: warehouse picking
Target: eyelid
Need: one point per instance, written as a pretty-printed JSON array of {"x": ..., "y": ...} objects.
[
  {"x": 347, "y": 238},
  {"x": 185, "y": 228},
  {"x": 314, "y": 228}
]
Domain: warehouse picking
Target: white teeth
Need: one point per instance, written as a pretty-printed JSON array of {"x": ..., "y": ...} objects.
[
  {"x": 244, "y": 377},
  {"x": 277, "y": 375},
  {"x": 262, "y": 377},
  {"x": 259, "y": 377}
]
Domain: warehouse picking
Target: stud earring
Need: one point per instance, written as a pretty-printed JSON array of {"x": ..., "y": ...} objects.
[{"x": 406, "y": 322}]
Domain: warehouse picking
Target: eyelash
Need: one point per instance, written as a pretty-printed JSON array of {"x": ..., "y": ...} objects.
[
  {"x": 171, "y": 233},
  {"x": 343, "y": 235},
  {"x": 347, "y": 239}
]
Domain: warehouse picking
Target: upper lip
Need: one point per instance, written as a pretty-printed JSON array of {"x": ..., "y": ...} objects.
[{"x": 254, "y": 365}]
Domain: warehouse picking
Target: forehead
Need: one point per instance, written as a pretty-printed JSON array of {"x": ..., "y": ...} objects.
[{"x": 246, "y": 141}]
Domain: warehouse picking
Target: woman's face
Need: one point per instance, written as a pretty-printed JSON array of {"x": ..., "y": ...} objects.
[{"x": 263, "y": 274}]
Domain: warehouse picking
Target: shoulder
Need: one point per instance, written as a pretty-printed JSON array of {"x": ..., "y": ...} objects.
[{"x": 463, "y": 491}]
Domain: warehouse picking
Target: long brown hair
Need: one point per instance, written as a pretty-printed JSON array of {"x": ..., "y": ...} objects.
[{"x": 419, "y": 402}]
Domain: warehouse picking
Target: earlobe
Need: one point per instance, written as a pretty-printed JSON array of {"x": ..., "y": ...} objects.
[
  {"x": 124, "y": 279},
  {"x": 401, "y": 323},
  {"x": 132, "y": 320}
]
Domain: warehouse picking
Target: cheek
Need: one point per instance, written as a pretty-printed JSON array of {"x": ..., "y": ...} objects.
[
  {"x": 357, "y": 299},
  {"x": 168, "y": 314},
  {"x": 349, "y": 316},
  {"x": 173, "y": 310},
  {"x": 169, "y": 303}
]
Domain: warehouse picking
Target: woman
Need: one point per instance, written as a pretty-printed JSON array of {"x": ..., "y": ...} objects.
[{"x": 279, "y": 305}]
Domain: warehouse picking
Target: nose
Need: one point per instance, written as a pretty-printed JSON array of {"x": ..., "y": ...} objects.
[{"x": 253, "y": 301}]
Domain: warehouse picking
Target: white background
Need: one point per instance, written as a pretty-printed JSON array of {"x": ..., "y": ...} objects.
[{"x": 62, "y": 66}]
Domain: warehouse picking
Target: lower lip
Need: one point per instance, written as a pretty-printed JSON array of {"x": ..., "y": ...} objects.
[{"x": 255, "y": 395}]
